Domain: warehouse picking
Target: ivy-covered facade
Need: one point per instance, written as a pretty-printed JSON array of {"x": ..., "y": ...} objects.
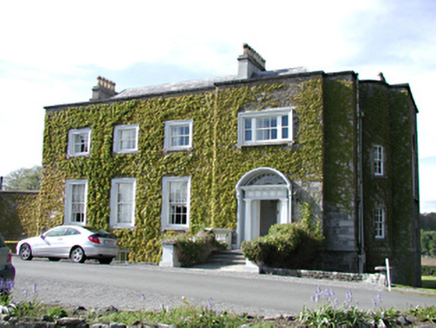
[{"x": 242, "y": 153}]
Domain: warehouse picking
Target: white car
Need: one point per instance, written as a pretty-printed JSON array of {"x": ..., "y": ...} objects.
[{"x": 75, "y": 242}]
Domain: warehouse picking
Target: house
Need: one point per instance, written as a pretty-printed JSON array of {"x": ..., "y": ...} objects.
[{"x": 242, "y": 152}]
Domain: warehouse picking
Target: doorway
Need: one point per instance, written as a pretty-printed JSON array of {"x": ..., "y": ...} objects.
[{"x": 268, "y": 215}]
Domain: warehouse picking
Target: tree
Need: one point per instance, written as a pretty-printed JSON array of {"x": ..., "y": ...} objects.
[
  {"x": 427, "y": 221},
  {"x": 428, "y": 243},
  {"x": 23, "y": 179}
]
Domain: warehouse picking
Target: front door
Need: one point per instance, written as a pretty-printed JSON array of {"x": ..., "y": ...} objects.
[{"x": 268, "y": 215}]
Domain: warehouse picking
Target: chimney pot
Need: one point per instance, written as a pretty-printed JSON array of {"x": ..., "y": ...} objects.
[
  {"x": 250, "y": 62},
  {"x": 103, "y": 90}
]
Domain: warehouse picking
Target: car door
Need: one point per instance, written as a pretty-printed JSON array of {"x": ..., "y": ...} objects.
[
  {"x": 53, "y": 242},
  {"x": 71, "y": 238}
]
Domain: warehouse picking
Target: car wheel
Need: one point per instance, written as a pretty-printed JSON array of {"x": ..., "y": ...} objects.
[
  {"x": 25, "y": 252},
  {"x": 77, "y": 255},
  {"x": 53, "y": 259},
  {"x": 105, "y": 260}
]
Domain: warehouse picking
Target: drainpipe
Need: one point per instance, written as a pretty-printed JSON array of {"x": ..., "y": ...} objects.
[{"x": 360, "y": 224}]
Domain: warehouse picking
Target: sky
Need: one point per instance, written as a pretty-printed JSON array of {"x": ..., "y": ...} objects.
[{"x": 51, "y": 52}]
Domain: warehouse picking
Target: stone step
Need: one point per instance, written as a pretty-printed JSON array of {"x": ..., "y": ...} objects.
[{"x": 230, "y": 257}]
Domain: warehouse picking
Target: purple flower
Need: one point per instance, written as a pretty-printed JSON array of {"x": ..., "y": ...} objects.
[{"x": 209, "y": 303}]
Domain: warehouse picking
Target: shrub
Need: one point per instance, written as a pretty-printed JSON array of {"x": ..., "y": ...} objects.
[
  {"x": 290, "y": 246},
  {"x": 193, "y": 249},
  {"x": 428, "y": 270}
]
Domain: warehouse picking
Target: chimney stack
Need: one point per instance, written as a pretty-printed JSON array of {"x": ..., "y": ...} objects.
[
  {"x": 103, "y": 90},
  {"x": 250, "y": 62}
]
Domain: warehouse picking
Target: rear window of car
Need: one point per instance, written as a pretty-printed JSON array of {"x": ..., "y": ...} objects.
[
  {"x": 2, "y": 241},
  {"x": 101, "y": 233}
]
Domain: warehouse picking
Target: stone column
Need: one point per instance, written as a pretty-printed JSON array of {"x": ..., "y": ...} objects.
[{"x": 248, "y": 220}]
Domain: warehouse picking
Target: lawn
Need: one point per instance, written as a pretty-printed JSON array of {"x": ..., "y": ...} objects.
[{"x": 429, "y": 282}]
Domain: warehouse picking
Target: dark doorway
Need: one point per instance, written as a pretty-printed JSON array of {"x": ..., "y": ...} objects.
[{"x": 268, "y": 215}]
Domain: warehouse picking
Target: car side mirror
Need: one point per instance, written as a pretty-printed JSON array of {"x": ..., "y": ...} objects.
[{"x": 42, "y": 236}]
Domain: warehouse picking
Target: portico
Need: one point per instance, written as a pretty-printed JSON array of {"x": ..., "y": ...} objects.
[{"x": 264, "y": 199}]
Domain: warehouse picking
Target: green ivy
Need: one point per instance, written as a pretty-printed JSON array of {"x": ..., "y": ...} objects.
[{"x": 215, "y": 164}]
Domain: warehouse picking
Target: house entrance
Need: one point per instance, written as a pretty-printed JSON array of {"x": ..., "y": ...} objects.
[
  {"x": 263, "y": 200},
  {"x": 268, "y": 215}
]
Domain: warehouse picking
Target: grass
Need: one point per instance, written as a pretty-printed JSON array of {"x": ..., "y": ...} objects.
[
  {"x": 327, "y": 314},
  {"x": 429, "y": 282}
]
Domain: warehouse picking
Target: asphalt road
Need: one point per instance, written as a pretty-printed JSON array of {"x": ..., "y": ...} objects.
[{"x": 142, "y": 286}]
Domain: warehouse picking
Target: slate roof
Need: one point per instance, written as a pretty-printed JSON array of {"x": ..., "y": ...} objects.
[
  {"x": 198, "y": 84},
  {"x": 186, "y": 86}
]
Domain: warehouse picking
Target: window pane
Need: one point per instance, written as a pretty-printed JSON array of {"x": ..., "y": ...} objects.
[
  {"x": 80, "y": 143},
  {"x": 78, "y": 203},
  {"x": 266, "y": 128},
  {"x": 124, "y": 213},
  {"x": 178, "y": 198},
  {"x": 379, "y": 222},
  {"x": 285, "y": 127},
  {"x": 179, "y": 136},
  {"x": 125, "y": 202},
  {"x": 127, "y": 139},
  {"x": 378, "y": 160},
  {"x": 247, "y": 130}
]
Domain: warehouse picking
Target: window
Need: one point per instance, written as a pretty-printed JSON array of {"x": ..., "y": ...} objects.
[
  {"x": 123, "y": 203},
  {"x": 75, "y": 202},
  {"x": 57, "y": 232},
  {"x": 272, "y": 126},
  {"x": 126, "y": 139},
  {"x": 178, "y": 135},
  {"x": 379, "y": 222},
  {"x": 176, "y": 198},
  {"x": 378, "y": 160},
  {"x": 79, "y": 142}
]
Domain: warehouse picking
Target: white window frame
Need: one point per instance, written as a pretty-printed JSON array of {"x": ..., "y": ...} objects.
[
  {"x": 117, "y": 139},
  {"x": 379, "y": 222},
  {"x": 166, "y": 211},
  {"x": 68, "y": 210},
  {"x": 168, "y": 134},
  {"x": 71, "y": 142},
  {"x": 114, "y": 203},
  {"x": 255, "y": 119},
  {"x": 378, "y": 160}
]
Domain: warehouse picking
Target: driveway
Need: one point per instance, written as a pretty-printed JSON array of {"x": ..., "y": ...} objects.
[{"x": 143, "y": 286}]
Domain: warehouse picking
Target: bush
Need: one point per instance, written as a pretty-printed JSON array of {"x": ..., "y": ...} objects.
[
  {"x": 428, "y": 243},
  {"x": 194, "y": 249},
  {"x": 290, "y": 246},
  {"x": 428, "y": 270}
]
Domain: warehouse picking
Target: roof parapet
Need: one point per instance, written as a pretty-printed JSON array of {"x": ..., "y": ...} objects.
[
  {"x": 250, "y": 62},
  {"x": 103, "y": 90}
]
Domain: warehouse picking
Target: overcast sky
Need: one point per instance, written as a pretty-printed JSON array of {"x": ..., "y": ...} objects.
[{"x": 51, "y": 52}]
